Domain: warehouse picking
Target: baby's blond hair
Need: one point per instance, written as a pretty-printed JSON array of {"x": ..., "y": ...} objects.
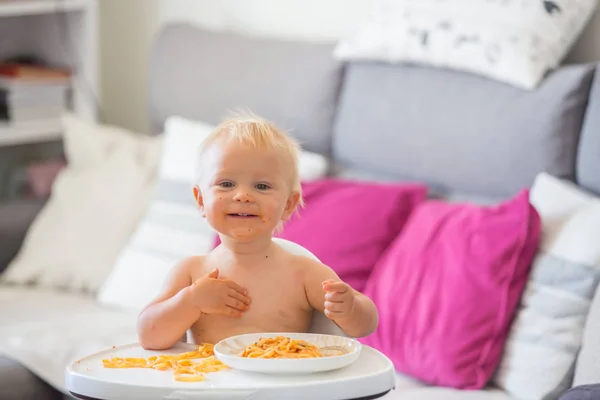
[{"x": 252, "y": 130}]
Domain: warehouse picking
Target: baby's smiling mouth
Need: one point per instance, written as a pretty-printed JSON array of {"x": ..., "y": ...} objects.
[{"x": 242, "y": 215}]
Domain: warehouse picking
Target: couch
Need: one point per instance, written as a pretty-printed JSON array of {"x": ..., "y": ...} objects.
[{"x": 466, "y": 137}]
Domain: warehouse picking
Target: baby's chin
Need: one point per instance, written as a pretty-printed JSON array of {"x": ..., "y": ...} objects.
[{"x": 246, "y": 234}]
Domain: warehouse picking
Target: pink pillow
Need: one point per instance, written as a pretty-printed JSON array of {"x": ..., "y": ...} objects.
[
  {"x": 448, "y": 286},
  {"x": 348, "y": 224}
]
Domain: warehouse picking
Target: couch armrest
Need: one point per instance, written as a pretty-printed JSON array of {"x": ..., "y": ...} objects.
[
  {"x": 587, "y": 369},
  {"x": 15, "y": 218}
]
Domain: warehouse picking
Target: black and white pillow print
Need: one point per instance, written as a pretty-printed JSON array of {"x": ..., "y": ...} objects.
[{"x": 513, "y": 41}]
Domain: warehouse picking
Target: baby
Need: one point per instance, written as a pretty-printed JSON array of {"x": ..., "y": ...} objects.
[{"x": 247, "y": 186}]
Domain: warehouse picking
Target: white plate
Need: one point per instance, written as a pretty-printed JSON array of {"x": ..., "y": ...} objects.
[{"x": 228, "y": 352}]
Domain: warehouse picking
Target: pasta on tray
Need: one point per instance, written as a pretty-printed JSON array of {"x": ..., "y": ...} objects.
[{"x": 184, "y": 366}]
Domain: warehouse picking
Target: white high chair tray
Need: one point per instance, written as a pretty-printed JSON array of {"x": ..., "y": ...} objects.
[{"x": 369, "y": 377}]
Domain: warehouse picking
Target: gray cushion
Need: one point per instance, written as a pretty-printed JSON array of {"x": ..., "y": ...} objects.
[
  {"x": 588, "y": 162},
  {"x": 586, "y": 392},
  {"x": 294, "y": 84},
  {"x": 457, "y": 131}
]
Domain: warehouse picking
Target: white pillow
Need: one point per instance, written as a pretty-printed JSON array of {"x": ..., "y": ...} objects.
[
  {"x": 516, "y": 42},
  {"x": 95, "y": 204},
  {"x": 173, "y": 227},
  {"x": 312, "y": 166},
  {"x": 184, "y": 136},
  {"x": 87, "y": 143},
  {"x": 546, "y": 335}
]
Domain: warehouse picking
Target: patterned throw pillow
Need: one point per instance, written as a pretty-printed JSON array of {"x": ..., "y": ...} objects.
[
  {"x": 547, "y": 334},
  {"x": 514, "y": 41}
]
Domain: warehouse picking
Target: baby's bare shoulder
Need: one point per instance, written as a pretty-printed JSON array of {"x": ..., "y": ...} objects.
[
  {"x": 313, "y": 270},
  {"x": 192, "y": 262},
  {"x": 180, "y": 276},
  {"x": 284, "y": 257},
  {"x": 194, "y": 266},
  {"x": 187, "y": 266},
  {"x": 308, "y": 264}
]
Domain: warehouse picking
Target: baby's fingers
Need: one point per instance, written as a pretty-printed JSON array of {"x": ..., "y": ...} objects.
[
  {"x": 232, "y": 312},
  {"x": 238, "y": 296},
  {"x": 236, "y": 287},
  {"x": 334, "y": 307},
  {"x": 236, "y": 304},
  {"x": 336, "y": 296},
  {"x": 339, "y": 287},
  {"x": 333, "y": 314}
]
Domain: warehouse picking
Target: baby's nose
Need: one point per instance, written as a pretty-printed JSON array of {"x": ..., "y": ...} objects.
[{"x": 243, "y": 196}]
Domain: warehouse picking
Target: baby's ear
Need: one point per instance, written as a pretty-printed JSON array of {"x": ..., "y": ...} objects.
[
  {"x": 199, "y": 198},
  {"x": 291, "y": 205}
]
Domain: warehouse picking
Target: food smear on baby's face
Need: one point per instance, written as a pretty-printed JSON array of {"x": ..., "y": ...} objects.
[{"x": 247, "y": 189}]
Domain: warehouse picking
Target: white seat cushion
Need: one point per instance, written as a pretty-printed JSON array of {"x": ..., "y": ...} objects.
[{"x": 45, "y": 330}]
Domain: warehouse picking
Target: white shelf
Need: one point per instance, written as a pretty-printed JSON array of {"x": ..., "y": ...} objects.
[
  {"x": 30, "y": 132},
  {"x": 11, "y": 8}
]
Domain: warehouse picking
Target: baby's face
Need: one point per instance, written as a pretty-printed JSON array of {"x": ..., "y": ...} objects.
[{"x": 246, "y": 191}]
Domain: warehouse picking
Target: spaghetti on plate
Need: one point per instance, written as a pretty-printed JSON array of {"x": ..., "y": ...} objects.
[{"x": 281, "y": 347}]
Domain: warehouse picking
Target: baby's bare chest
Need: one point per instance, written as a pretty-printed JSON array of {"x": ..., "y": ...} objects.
[
  {"x": 278, "y": 303},
  {"x": 273, "y": 293}
]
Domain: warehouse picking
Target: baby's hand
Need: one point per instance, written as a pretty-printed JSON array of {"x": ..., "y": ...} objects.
[
  {"x": 219, "y": 296},
  {"x": 339, "y": 299}
]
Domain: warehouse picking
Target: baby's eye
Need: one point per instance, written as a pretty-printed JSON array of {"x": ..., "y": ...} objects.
[
  {"x": 262, "y": 186},
  {"x": 226, "y": 184}
]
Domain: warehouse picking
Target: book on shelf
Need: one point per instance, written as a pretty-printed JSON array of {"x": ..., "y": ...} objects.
[
  {"x": 32, "y": 93},
  {"x": 30, "y": 72}
]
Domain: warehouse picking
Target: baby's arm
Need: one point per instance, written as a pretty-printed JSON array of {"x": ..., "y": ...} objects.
[
  {"x": 167, "y": 318},
  {"x": 181, "y": 303},
  {"x": 352, "y": 311}
]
